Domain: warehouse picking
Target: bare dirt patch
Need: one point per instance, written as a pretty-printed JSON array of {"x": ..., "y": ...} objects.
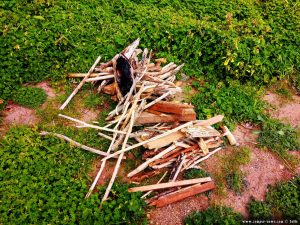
[
  {"x": 175, "y": 213},
  {"x": 286, "y": 110}
]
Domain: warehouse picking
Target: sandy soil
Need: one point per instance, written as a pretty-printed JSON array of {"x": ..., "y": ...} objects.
[{"x": 286, "y": 110}]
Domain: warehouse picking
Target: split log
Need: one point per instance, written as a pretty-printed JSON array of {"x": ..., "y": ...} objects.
[
  {"x": 148, "y": 117},
  {"x": 182, "y": 194},
  {"x": 165, "y": 140},
  {"x": 172, "y": 108},
  {"x": 170, "y": 184},
  {"x": 229, "y": 135},
  {"x": 142, "y": 176},
  {"x": 207, "y": 122},
  {"x": 145, "y": 164}
]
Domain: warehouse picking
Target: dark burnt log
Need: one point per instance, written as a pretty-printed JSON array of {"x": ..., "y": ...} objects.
[{"x": 124, "y": 76}]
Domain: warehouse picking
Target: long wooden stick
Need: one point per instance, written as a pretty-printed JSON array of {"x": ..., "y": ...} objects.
[
  {"x": 100, "y": 78},
  {"x": 170, "y": 184},
  {"x": 158, "y": 182},
  {"x": 108, "y": 151},
  {"x": 80, "y": 84},
  {"x": 111, "y": 182},
  {"x": 179, "y": 168},
  {"x": 75, "y": 143},
  {"x": 145, "y": 164},
  {"x": 207, "y": 122},
  {"x": 90, "y": 125},
  {"x": 205, "y": 157},
  {"x": 75, "y": 75}
]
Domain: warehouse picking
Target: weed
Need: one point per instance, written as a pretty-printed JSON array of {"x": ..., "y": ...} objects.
[
  {"x": 279, "y": 138},
  {"x": 214, "y": 215},
  {"x": 44, "y": 179},
  {"x": 284, "y": 198},
  {"x": 259, "y": 210},
  {"x": 93, "y": 100},
  {"x": 284, "y": 92},
  {"x": 195, "y": 173},
  {"x": 43, "y": 39},
  {"x": 236, "y": 102},
  {"x": 30, "y": 97}
]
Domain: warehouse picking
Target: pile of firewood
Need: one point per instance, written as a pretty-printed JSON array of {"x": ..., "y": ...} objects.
[{"x": 147, "y": 113}]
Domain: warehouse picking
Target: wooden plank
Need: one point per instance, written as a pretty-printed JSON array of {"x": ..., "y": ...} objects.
[
  {"x": 170, "y": 184},
  {"x": 182, "y": 194},
  {"x": 207, "y": 122},
  {"x": 171, "y": 107},
  {"x": 149, "y": 118},
  {"x": 164, "y": 141}
]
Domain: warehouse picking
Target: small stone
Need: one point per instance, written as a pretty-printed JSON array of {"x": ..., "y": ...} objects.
[{"x": 281, "y": 167}]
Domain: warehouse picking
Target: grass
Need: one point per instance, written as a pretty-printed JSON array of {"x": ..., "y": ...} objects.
[{"x": 280, "y": 138}]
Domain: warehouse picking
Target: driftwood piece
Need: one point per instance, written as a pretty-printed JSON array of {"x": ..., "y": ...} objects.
[
  {"x": 75, "y": 143},
  {"x": 158, "y": 182},
  {"x": 90, "y": 125},
  {"x": 142, "y": 176},
  {"x": 182, "y": 194},
  {"x": 76, "y": 75},
  {"x": 170, "y": 184},
  {"x": 164, "y": 141},
  {"x": 145, "y": 164},
  {"x": 111, "y": 76},
  {"x": 80, "y": 84},
  {"x": 205, "y": 157},
  {"x": 229, "y": 135},
  {"x": 207, "y": 122}
]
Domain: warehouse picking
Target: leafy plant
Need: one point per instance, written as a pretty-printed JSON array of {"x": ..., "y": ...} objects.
[
  {"x": 93, "y": 100},
  {"x": 279, "y": 138},
  {"x": 284, "y": 198},
  {"x": 31, "y": 97},
  {"x": 231, "y": 164},
  {"x": 44, "y": 180},
  {"x": 259, "y": 210},
  {"x": 236, "y": 102},
  {"x": 195, "y": 173},
  {"x": 214, "y": 215},
  {"x": 43, "y": 38}
]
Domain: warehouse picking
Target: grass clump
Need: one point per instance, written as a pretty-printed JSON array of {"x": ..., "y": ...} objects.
[
  {"x": 195, "y": 173},
  {"x": 284, "y": 199},
  {"x": 259, "y": 210},
  {"x": 44, "y": 180},
  {"x": 231, "y": 164},
  {"x": 279, "y": 138},
  {"x": 214, "y": 215},
  {"x": 237, "y": 102},
  {"x": 93, "y": 100},
  {"x": 30, "y": 97}
]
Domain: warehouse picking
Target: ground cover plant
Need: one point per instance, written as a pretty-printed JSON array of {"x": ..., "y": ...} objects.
[
  {"x": 214, "y": 215},
  {"x": 244, "y": 40},
  {"x": 30, "y": 97},
  {"x": 279, "y": 138},
  {"x": 44, "y": 180},
  {"x": 282, "y": 201}
]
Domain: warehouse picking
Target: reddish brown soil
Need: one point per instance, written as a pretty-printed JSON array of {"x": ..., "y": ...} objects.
[
  {"x": 286, "y": 110},
  {"x": 174, "y": 214}
]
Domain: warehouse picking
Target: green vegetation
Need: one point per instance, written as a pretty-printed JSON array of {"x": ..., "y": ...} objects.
[
  {"x": 93, "y": 100},
  {"x": 244, "y": 40},
  {"x": 231, "y": 168},
  {"x": 282, "y": 202},
  {"x": 195, "y": 173},
  {"x": 259, "y": 210},
  {"x": 279, "y": 138},
  {"x": 216, "y": 215},
  {"x": 284, "y": 199},
  {"x": 44, "y": 180},
  {"x": 30, "y": 97},
  {"x": 236, "y": 102}
]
